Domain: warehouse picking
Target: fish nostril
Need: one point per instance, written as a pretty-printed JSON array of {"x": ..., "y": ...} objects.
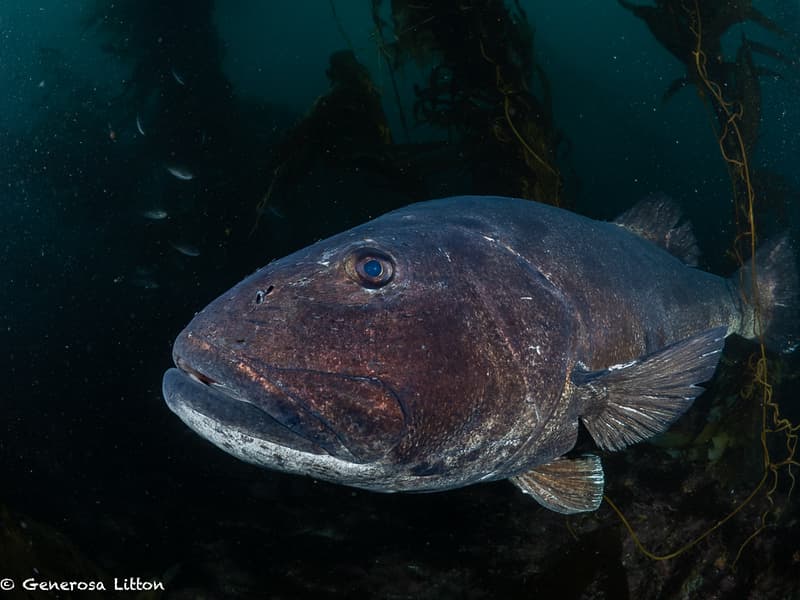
[{"x": 261, "y": 294}]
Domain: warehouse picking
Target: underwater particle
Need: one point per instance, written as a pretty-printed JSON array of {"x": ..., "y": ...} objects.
[
  {"x": 180, "y": 172},
  {"x": 139, "y": 127},
  {"x": 271, "y": 211},
  {"x": 143, "y": 277},
  {"x": 155, "y": 214},
  {"x": 145, "y": 283},
  {"x": 185, "y": 249},
  {"x": 41, "y": 84}
]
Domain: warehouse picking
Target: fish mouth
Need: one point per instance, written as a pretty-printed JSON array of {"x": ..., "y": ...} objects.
[
  {"x": 353, "y": 418},
  {"x": 186, "y": 390},
  {"x": 198, "y": 376}
]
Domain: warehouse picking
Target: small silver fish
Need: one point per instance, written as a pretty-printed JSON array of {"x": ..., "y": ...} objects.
[
  {"x": 155, "y": 214},
  {"x": 177, "y": 77},
  {"x": 139, "y": 125},
  {"x": 180, "y": 172},
  {"x": 185, "y": 249}
]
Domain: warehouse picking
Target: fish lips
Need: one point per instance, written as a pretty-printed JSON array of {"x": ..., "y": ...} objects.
[
  {"x": 353, "y": 418},
  {"x": 184, "y": 393}
]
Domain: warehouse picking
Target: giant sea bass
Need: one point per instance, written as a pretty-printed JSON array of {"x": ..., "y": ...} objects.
[{"x": 463, "y": 340}]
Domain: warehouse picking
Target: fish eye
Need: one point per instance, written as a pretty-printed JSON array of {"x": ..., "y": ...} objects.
[{"x": 371, "y": 268}]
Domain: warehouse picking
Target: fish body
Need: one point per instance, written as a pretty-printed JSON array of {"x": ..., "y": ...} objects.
[
  {"x": 177, "y": 77},
  {"x": 186, "y": 249},
  {"x": 180, "y": 172},
  {"x": 155, "y": 214},
  {"x": 459, "y": 341}
]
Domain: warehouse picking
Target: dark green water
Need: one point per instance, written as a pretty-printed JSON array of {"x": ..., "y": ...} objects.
[{"x": 103, "y": 98}]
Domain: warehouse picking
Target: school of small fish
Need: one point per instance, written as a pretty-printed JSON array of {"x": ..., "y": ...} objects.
[{"x": 178, "y": 171}]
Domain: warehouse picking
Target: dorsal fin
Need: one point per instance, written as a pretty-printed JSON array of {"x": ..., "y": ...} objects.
[{"x": 655, "y": 218}]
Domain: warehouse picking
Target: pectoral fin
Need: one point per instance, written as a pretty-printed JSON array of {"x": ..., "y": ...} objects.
[
  {"x": 566, "y": 485},
  {"x": 625, "y": 404}
]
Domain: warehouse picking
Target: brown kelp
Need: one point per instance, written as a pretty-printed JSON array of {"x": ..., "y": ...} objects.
[
  {"x": 480, "y": 86},
  {"x": 692, "y": 32},
  {"x": 481, "y": 74}
]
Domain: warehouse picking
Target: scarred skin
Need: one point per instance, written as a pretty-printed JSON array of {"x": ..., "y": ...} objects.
[{"x": 455, "y": 371}]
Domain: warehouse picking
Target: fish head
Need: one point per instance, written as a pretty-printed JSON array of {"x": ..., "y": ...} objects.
[{"x": 373, "y": 358}]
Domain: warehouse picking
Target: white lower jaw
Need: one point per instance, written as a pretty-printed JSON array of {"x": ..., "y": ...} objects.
[{"x": 282, "y": 458}]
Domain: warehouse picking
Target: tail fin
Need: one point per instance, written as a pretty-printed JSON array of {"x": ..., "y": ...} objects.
[{"x": 774, "y": 311}]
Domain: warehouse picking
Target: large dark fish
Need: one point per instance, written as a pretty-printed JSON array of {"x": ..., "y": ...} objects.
[{"x": 462, "y": 340}]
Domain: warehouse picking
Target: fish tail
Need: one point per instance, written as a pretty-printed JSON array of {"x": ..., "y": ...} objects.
[{"x": 771, "y": 313}]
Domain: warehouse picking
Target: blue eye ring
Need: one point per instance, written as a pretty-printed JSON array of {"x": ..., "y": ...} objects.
[{"x": 370, "y": 267}]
